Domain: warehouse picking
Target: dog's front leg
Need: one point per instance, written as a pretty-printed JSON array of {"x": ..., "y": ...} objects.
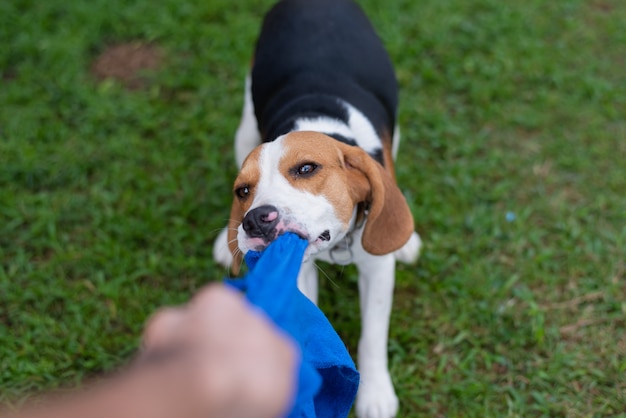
[
  {"x": 376, "y": 397},
  {"x": 308, "y": 281}
]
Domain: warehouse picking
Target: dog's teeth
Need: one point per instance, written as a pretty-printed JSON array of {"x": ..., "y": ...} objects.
[{"x": 325, "y": 236}]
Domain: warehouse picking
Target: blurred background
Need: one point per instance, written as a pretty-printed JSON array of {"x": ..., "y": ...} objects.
[{"x": 116, "y": 161}]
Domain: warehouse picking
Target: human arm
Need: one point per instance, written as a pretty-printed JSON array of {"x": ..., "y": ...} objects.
[{"x": 214, "y": 357}]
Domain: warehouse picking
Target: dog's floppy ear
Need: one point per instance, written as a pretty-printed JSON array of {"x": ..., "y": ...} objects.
[
  {"x": 236, "y": 216},
  {"x": 389, "y": 223}
]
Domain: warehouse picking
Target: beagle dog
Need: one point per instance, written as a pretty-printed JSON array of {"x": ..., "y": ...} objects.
[{"x": 316, "y": 147}]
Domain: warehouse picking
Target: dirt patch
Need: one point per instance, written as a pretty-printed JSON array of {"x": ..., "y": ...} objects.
[
  {"x": 9, "y": 75},
  {"x": 128, "y": 63},
  {"x": 603, "y": 6}
]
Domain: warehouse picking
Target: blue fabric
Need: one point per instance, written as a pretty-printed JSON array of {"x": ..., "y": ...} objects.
[{"x": 327, "y": 379}]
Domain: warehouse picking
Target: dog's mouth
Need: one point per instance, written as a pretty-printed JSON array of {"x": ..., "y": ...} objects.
[
  {"x": 324, "y": 236},
  {"x": 262, "y": 243}
]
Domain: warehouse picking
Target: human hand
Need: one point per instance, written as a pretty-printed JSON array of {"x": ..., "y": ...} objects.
[{"x": 239, "y": 364}]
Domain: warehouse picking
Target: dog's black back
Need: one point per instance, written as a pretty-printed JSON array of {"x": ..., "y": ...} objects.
[{"x": 312, "y": 52}]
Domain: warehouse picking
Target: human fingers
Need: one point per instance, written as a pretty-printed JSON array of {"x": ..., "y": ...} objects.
[
  {"x": 163, "y": 328},
  {"x": 256, "y": 362}
]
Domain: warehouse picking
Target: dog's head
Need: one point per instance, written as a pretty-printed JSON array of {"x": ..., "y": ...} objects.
[{"x": 310, "y": 184}]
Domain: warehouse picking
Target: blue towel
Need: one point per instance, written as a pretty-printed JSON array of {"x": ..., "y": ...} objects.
[{"x": 327, "y": 379}]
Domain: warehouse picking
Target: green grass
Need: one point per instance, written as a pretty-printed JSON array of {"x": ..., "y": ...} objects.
[{"x": 513, "y": 117}]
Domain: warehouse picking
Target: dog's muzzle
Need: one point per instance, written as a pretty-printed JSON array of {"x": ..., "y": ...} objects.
[{"x": 261, "y": 223}]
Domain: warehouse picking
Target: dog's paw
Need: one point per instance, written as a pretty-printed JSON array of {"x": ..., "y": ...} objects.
[
  {"x": 376, "y": 397},
  {"x": 221, "y": 252},
  {"x": 409, "y": 253}
]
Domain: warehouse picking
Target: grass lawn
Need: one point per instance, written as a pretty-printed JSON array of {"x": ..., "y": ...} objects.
[{"x": 513, "y": 117}]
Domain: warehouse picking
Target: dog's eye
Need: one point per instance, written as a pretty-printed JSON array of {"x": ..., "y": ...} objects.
[
  {"x": 305, "y": 170},
  {"x": 242, "y": 192}
]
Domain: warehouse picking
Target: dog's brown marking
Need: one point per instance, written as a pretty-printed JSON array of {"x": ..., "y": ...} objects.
[
  {"x": 128, "y": 63},
  {"x": 248, "y": 177},
  {"x": 387, "y": 141},
  {"x": 330, "y": 177},
  {"x": 346, "y": 176}
]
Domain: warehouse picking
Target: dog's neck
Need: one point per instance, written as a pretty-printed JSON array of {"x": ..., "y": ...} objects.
[
  {"x": 342, "y": 252},
  {"x": 309, "y": 107}
]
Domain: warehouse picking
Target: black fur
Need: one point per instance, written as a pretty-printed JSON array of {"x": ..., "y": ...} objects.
[{"x": 310, "y": 53}]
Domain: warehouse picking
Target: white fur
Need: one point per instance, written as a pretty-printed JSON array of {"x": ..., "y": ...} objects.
[
  {"x": 308, "y": 280},
  {"x": 376, "y": 397},
  {"x": 221, "y": 252},
  {"x": 358, "y": 128},
  {"x": 395, "y": 142},
  {"x": 363, "y": 131},
  {"x": 247, "y": 136},
  {"x": 323, "y": 124},
  {"x": 410, "y": 251}
]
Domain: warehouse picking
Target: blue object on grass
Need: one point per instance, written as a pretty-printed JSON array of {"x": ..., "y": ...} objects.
[{"x": 327, "y": 379}]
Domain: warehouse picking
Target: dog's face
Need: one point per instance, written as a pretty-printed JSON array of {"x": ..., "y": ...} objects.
[{"x": 310, "y": 184}]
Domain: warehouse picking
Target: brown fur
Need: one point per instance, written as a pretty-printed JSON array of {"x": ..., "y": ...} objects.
[
  {"x": 248, "y": 176},
  {"x": 388, "y": 154},
  {"x": 331, "y": 178}
]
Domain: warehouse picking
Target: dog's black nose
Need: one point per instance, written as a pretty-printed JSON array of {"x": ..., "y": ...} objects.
[{"x": 261, "y": 222}]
